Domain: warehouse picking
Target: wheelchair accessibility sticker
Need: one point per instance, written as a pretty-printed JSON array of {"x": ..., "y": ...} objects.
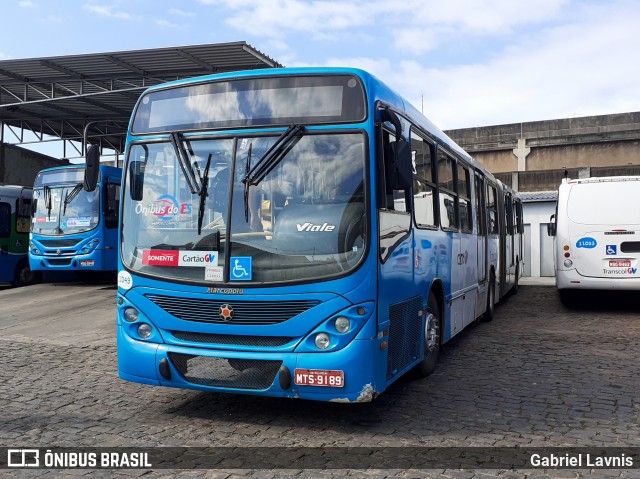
[
  {"x": 612, "y": 249},
  {"x": 240, "y": 268}
]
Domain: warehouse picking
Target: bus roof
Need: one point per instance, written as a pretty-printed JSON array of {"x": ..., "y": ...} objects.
[
  {"x": 375, "y": 87},
  {"x": 600, "y": 179}
]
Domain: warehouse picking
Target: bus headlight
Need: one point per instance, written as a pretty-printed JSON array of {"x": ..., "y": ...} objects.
[
  {"x": 144, "y": 330},
  {"x": 343, "y": 325},
  {"x": 322, "y": 340},
  {"x": 85, "y": 250},
  {"x": 131, "y": 315},
  {"x": 568, "y": 263}
]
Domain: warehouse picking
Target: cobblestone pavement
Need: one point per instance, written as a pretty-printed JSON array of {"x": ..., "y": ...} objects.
[{"x": 539, "y": 374}]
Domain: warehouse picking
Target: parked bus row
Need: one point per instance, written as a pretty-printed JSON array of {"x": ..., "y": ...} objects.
[{"x": 301, "y": 233}]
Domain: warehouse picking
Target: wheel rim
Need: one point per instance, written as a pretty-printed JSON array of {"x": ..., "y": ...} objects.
[{"x": 430, "y": 334}]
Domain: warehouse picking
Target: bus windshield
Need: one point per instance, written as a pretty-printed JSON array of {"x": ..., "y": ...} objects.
[
  {"x": 304, "y": 218},
  {"x": 63, "y": 210}
]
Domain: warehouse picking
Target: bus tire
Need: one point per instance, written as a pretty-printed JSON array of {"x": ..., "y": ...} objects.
[
  {"x": 432, "y": 338},
  {"x": 22, "y": 275},
  {"x": 567, "y": 297},
  {"x": 490, "y": 311}
]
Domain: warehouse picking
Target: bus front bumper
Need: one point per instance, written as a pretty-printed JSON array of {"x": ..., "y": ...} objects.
[
  {"x": 76, "y": 262},
  {"x": 257, "y": 373}
]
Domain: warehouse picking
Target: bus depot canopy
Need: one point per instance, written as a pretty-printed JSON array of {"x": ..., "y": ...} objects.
[{"x": 61, "y": 96}]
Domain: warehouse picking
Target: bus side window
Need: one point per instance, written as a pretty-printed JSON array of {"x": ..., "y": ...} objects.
[
  {"x": 519, "y": 219},
  {"x": 23, "y": 215},
  {"x": 446, "y": 192},
  {"x": 423, "y": 183},
  {"x": 396, "y": 199},
  {"x": 5, "y": 220},
  {"x": 492, "y": 209},
  {"x": 111, "y": 205},
  {"x": 464, "y": 199}
]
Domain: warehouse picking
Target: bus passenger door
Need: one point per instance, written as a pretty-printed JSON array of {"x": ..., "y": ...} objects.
[
  {"x": 468, "y": 257},
  {"x": 399, "y": 306},
  {"x": 110, "y": 204},
  {"x": 481, "y": 243}
]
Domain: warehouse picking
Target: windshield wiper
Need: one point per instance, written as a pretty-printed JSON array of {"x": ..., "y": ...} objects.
[
  {"x": 269, "y": 161},
  {"x": 203, "y": 192},
  {"x": 247, "y": 170},
  {"x": 47, "y": 201},
  {"x": 177, "y": 139},
  {"x": 69, "y": 197}
]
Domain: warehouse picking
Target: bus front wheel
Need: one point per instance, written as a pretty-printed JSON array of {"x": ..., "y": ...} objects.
[
  {"x": 23, "y": 275},
  {"x": 431, "y": 338}
]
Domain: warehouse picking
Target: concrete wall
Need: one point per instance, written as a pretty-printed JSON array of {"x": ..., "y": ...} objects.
[
  {"x": 595, "y": 141},
  {"x": 20, "y": 167}
]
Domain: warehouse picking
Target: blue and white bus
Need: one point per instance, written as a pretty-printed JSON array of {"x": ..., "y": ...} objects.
[
  {"x": 15, "y": 213},
  {"x": 301, "y": 233},
  {"x": 73, "y": 229}
]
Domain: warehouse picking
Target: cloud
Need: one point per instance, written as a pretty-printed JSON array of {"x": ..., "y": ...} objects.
[
  {"x": 557, "y": 73},
  {"x": 4, "y": 57},
  {"x": 180, "y": 13},
  {"x": 51, "y": 19},
  {"x": 275, "y": 18},
  {"x": 26, "y": 4},
  {"x": 579, "y": 68},
  {"x": 416, "y": 26},
  {"x": 167, "y": 24},
  {"x": 107, "y": 11}
]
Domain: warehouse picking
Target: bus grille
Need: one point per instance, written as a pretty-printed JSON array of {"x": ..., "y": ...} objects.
[
  {"x": 59, "y": 261},
  {"x": 405, "y": 335},
  {"x": 226, "y": 373},
  {"x": 245, "y": 312},
  {"x": 230, "y": 339},
  {"x": 59, "y": 243}
]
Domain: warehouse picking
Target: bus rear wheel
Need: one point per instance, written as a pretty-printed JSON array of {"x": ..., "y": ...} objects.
[{"x": 431, "y": 338}]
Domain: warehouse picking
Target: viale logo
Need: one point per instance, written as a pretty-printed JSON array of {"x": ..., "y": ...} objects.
[{"x": 312, "y": 227}]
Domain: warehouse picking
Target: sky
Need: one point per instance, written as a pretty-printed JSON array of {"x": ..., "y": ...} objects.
[{"x": 464, "y": 63}]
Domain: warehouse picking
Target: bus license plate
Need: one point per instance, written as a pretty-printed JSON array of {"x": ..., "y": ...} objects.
[
  {"x": 620, "y": 263},
  {"x": 319, "y": 377}
]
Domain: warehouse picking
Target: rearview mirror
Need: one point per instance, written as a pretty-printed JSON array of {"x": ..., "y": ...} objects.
[
  {"x": 136, "y": 180},
  {"x": 551, "y": 226},
  {"x": 92, "y": 168}
]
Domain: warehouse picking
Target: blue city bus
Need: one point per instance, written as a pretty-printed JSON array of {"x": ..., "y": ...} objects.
[
  {"x": 73, "y": 229},
  {"x": 301, "y": 233},
  {"x": 15, "y": 214}
]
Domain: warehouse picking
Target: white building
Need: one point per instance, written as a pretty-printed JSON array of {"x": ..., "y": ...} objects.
[{"x": 538, "y": 245}]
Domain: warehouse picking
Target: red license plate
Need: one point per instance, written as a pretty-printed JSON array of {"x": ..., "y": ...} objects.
[
  {"x": 620, "y": 263},
  {"x": 319, "y": 377}
]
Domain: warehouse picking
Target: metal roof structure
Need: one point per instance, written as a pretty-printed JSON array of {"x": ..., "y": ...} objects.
[
  {"x": 61, "y": 96},
  {"x": 539, "y": 196}
]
